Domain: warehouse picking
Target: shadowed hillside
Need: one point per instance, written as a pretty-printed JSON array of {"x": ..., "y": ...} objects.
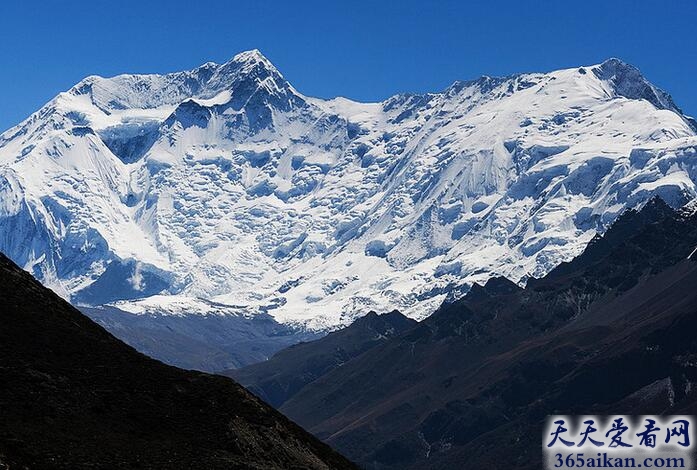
[
  {"x": 469, "y": 388},
  {"x": 73, "y": 396},
  {"x": 287, "y": 372}
]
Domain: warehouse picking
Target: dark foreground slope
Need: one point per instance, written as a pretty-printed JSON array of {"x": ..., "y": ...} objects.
[
  {"x": 468, "y": 388},
  {"x": 73, "y": 396},
  {"x": 289, "y": 370}
]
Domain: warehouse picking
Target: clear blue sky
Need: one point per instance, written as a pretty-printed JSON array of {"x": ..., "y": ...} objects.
[{"x": 366, "y": 50}]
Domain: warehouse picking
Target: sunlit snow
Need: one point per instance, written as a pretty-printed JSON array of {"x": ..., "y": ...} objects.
[{"x": 225, "y": 186}]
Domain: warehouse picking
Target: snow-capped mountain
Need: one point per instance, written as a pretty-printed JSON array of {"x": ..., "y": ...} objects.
[{"x": 225, "y": 190}]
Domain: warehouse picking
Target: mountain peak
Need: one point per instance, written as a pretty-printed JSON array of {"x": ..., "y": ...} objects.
[
  {"x": 250, "y": 62},
  {"x": 621, "y": 73},
  {"x": 245, "y": 72},
  {"x": 255, "y": 83},
  {"x": 252, "y": 55},
  {"x": 627, "y": 81},
  {"x": 617, "y": 63}
]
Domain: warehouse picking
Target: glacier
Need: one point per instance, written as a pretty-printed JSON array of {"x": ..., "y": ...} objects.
[{"x": 225, "y": 191}]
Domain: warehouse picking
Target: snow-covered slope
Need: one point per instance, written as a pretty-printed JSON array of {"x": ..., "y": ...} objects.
[{"x": 226, "y": 187}]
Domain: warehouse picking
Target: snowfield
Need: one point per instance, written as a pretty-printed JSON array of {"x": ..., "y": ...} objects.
[{"x": 223, "y": 190}]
